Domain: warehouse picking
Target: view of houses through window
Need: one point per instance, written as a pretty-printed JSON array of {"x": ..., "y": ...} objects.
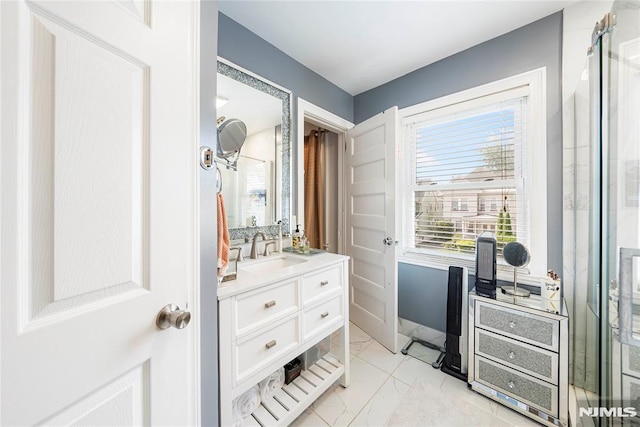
[
  {"x": 465, "y": 173},
  {"x": 442, "y": 221}
]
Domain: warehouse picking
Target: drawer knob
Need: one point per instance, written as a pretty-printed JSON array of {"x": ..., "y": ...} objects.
[
  {"x": 511, "y": 384},
  {"x": 270, "y": 344},
  {"x": 512, "y": 324},
  {"x": 324, "y": 283},
  {"x": 325, "y": 314},
  {"x": 269, "y": 304},
  {"x": 512, "y": 355}
]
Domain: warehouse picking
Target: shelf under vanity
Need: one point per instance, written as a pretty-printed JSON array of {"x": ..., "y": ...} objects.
[{"x": 291, "y": 401}]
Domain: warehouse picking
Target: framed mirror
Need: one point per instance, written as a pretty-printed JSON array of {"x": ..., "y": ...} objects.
[{"x": 258, "y": 193}]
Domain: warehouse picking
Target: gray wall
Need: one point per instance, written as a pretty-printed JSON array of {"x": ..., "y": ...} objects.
[
  {"x": 536, "y": 45},
  {"x": 422, "y": 295},
  {"x": 242, "y": 47},
  {"x": 208, "y": 310}
]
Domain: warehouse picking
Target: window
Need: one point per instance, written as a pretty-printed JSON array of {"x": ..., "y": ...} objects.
[
  {"x": 481, "y": 204},
  {"x": 475, "y": 146}
]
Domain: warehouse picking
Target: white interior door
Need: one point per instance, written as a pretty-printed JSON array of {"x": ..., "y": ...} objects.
[
  {"x": 98, "y": 180},
  {"x": 371, "y": 226}
]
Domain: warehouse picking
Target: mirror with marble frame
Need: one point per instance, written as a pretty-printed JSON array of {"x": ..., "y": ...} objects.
[{"x": 243, "y": 226}]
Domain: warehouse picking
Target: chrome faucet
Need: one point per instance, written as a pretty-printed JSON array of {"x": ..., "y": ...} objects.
[
  {"x": 239, "y": 249},
  {"x": 266, "y": 247},
  {"x": 254, "y": 245}
]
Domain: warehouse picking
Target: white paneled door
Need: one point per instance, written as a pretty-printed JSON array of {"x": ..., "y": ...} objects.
[
  {"x": 98, "y": 210},
  {"x": 371, "y": 226}
]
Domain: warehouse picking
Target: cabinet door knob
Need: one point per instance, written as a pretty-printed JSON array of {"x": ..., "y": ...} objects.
[
  {"x": 511, "y": 384},
  {"x": 270, "y": 344},
  {"x": 269, "y": 304},
  {"x": 512, "y": 355},
  {"x": 325, "y": 314},
  {"x": 512, "y": 324}
]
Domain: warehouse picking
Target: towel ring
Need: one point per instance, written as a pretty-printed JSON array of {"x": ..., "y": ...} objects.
[{"x": 218, "y": 180}]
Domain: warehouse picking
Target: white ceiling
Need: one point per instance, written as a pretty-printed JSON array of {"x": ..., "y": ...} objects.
[{"x": 358, "y": 45}]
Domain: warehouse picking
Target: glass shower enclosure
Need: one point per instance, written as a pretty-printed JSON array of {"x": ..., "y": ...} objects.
[{"x": 614, "y": 218}]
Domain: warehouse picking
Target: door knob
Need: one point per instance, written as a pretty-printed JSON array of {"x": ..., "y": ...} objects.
[{"x": 171, "y": 315}]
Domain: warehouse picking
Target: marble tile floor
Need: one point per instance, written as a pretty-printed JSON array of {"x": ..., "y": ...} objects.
[{"x": 389, "y": 389}]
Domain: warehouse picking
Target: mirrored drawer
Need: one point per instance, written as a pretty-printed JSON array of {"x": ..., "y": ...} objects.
[
  {"x": 254, "y": 310},
  {"x": 529, "y": 359},
  {"x": 630, "y": 389},
  {"x": 262, "y": 347},
  {"x": 322, "y": 316},
  {"x": 631, "y": 360},
  {"x": 317, "y": 284},
  {"x": 533, "y": 329},
  {"x": 532, "y": 391}
]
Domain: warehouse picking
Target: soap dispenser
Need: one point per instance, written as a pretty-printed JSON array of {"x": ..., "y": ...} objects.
[
  {"x": 295, "y": 238},
  {"x": 303, "y": 244}
]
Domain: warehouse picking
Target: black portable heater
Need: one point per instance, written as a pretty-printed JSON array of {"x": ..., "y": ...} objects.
[
  {"x": 486, "y": 251},
  {"x": 455, "y": 358}
]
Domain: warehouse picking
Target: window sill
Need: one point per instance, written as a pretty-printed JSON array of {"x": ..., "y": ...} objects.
[{"x": 441, "y": 262}]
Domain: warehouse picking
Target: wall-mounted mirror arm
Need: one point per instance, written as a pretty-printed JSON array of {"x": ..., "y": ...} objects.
[{"x": 228, "y": 163}]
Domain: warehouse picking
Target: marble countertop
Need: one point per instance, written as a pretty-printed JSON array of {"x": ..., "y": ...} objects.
[{"x": 253, "y": 274}]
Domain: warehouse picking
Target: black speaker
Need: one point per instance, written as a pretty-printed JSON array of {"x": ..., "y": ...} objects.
[{"x": 455, "y": 358}]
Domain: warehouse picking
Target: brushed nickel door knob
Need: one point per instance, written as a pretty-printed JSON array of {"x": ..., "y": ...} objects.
[{"x": 171, "y": 315}]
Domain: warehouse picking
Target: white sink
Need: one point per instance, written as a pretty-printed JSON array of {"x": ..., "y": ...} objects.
[{"x": 270, "y": 264}]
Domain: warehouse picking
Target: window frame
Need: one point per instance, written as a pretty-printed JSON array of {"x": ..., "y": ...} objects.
[{"x": 534, "y": 174}]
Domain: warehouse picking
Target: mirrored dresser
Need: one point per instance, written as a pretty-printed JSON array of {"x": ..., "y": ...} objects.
[{"x": 519, "y": 354}]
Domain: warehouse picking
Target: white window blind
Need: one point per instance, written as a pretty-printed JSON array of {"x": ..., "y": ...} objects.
[
  {"x": 465, "y": 165},
  {"x": 256, "y": 188}
]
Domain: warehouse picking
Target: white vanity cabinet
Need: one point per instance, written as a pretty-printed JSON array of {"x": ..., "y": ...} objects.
[
  {"x": 518, "y": 355},
  {"x": 268, "y": 317}
]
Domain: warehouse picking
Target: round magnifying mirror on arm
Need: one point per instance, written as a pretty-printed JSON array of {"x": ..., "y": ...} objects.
[
  {"x": 231, "y": 136},
  {"x": 517, "y": 255}
]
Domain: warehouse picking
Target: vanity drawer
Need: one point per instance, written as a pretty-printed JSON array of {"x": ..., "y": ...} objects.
[
  {"x": 322, "y": 316},
  {"x": 529, "y": 359},
  {"x": 256, "y": 309},
  {"x": 532, "y": 391},
  {"x": 322, "y": 282},
  {"x": 536, "y": 330},
  {"x": 259, "y": 349}
]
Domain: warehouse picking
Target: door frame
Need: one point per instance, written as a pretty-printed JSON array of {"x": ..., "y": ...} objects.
[
  {"x": 205, "y": 293},
  {"x": 311, "y": 113}
]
